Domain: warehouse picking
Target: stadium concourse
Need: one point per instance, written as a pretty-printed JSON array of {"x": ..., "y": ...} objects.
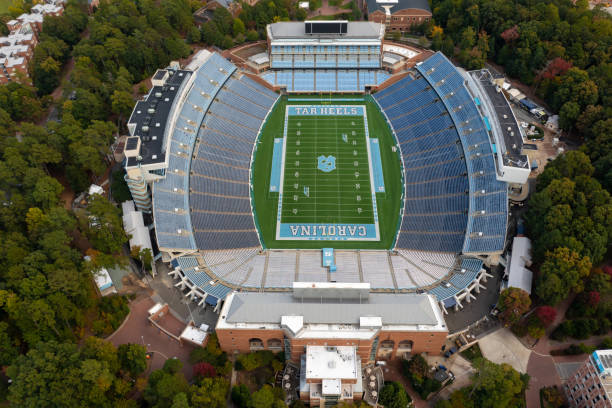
[{"x": 194, "y": 138}]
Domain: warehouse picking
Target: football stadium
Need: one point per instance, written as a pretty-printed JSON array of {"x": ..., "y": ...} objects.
[{"x": 323, "y": 160}]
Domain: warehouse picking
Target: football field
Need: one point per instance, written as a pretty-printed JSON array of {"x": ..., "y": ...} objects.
[{"x": 326, "y": 183}]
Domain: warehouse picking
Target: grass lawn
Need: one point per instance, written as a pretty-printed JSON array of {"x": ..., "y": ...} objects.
[{"x": 333, "y": 196}]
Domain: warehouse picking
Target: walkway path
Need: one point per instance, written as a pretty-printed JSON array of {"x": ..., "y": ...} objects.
[{"x": 138, "y": 330}]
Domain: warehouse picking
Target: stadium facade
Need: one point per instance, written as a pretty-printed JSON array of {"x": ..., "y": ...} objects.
[{"x": 189, "y": 161}]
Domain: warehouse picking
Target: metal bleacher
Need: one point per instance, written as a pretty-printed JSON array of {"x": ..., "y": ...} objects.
[
  {"x": 220, "y": 205},
  {"x": 435, "y": 202},
  {"x": 488, "y": 205},
  {"x": 171, "y": 194},
  {"x": 203, "y": 202},
  {"x": 453, "y": 201},
  {"x": 326, "y": 80}
]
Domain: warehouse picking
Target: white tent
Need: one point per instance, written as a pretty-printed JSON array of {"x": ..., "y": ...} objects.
[
  {"x": 518, "y": 275},
  {"x": 133, "y": 224}
]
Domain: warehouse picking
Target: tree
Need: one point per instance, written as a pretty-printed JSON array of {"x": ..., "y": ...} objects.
[
  {"x": 569, "y": 210},
  {"x": 204, "y": 369},
  {"x": 60, "y": 375},
  {"x": 238, "y": 27},
  {"x": 568, "y": 114},
  {"x": 562, "y": 271},
  {"x": 8, "y": 350},
  {"x": 393, "y": 395},
  {"x": 241, "y": 396},
  {"x": 513, "y": 303},
  {"x": 180, "y": 401},
  {"x": 193, "y": 35},
  {"x": 122, "y": 104},
  {"x": 164, "y": 385},
  {"x": 252, "y": 35},
  {"x": 47, "y": 191},
  {"x": 546, "y": 314},
  {"x": 133, "y": 358},
  {"x": 210, "y": 393},
  {"x": 497, "y": 385},
  {"x": 105, "y": 228},
  {"x": 268, "y": 397}
]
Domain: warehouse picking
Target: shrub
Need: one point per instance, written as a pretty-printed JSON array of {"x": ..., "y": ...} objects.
[
  {"x": 551, "y": 397},
  {"x": 584, "y": 328},
  {"x": 564, "y": 330},
  {"x": 519, "y": 329},
  {"x": 546, "y": 314},
  {"x": 119, "y": 187},
  {"x": 579, "y": 349},
  {"x": 416, "y": 370},
  {"x": 203, "y": 370},
  {"x": 173, "y": 365},
  {"x": 112, "y": 312},
  {"x": 211, "y": 354},
  {"x": 241, "y": 396},
  {"x": 393, "y": 395},
  {"x": 535, "y": 328},
  {"x": 536, "y": 331},
  {"x": 606, "y": 343},
  {"x": 252, "y": 361}
]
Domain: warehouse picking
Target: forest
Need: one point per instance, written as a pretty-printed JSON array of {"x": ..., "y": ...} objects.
[{"x": 48, "y": 302}]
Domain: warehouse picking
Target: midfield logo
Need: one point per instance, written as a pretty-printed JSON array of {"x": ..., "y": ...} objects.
[{"x": 326, "y": 164}]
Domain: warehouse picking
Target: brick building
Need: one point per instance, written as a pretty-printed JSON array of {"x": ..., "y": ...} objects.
[
  {"x": 379, "y": 325},
  {"x": 332, "y": 318},
  {"x": 397, "y": 15},
  {"x": 591, "y": 385},
  {"x": 17, "y": 49}
]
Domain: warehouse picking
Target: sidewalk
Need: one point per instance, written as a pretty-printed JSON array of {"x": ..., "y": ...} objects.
[{"x": 137, "y": 330}]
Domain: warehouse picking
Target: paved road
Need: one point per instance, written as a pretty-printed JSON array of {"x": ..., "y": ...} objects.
[
  {"x": 478, "y": 308},
  {"x": 164, "y": 288}
]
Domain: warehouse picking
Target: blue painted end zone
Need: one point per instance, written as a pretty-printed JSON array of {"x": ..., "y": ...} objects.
[
  {"x": 488, "y": 125},
  {"x": 379, "y": 180},
  {"x": 328, "y": 232},
  {"x": 277, "y": 163}
]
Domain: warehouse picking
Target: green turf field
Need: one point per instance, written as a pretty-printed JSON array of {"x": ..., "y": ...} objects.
[
  {"x": 342, "y": 195},
  {"x": 266, "y": 203}
]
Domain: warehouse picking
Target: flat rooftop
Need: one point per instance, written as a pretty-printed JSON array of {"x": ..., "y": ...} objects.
[
  {"x": 392, "y": 309},
  {"x": 331, "y": 363},
  {"x": 152, "y": 115},
  {"x": 297, "y": 30},
  {"x": 509, "y": 127}
]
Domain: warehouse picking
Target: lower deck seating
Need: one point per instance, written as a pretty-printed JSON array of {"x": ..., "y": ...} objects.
[{"x": 325, "y": 80}]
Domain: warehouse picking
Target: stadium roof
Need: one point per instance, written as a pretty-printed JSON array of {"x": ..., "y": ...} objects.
[
  {"x": 397, "y": 5},
  {"x": 297, "y": 30},
  {"x": 393, "y": 309},
  {"x": 504, "y": 117},
  {"x": 150, "y": 116}
]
